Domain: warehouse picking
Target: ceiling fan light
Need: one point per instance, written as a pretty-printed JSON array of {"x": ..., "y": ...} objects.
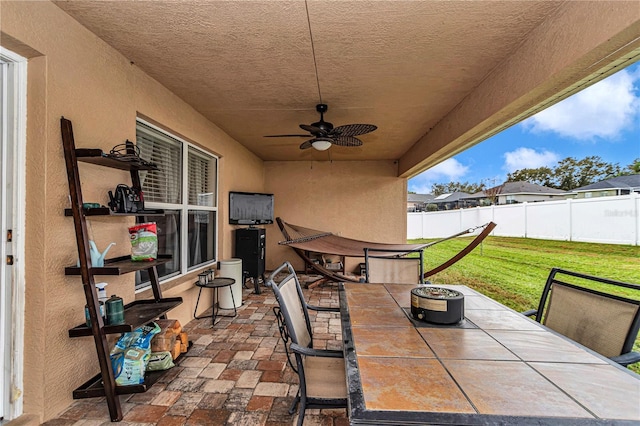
[{"x": 321, "y": 144}]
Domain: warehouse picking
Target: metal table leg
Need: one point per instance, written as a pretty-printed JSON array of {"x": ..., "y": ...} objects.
[{"x": 197, "y": 301}]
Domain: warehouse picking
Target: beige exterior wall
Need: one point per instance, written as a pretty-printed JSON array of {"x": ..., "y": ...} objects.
[
  {"x": 531, "y": 198},
  {"x": 597, "y": 193},
  {"x": 364, "y": 200},
  {"x": 74, "y": 74}
]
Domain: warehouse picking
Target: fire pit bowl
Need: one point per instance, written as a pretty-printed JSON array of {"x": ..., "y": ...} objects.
[{"x": 437, "y": 305}]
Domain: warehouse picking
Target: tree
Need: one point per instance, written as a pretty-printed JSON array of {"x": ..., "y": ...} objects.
[
  {"x": 568, "y": 173},
  {"x": 571, "y": 173},
  {"x": 447, "y": 188},
  {"x": 541, "y": 176},
  {"x": 633, "y": 168}
]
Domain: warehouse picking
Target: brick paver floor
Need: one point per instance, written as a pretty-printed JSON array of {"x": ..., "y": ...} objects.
[{"x": 236, "y": 373}]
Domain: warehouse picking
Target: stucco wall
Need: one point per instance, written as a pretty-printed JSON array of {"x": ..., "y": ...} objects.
[
  {"x": 357, "y": 199},
  {"x": 74, "y": 74}
]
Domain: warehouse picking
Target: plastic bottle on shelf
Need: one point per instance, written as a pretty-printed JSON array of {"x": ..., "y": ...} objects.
[{"x": 102, "y": 292}]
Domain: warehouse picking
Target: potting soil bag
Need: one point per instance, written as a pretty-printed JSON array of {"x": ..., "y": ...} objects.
[
  {"x": 130, "y": 355},
  {"x": 144, "y": 241}
]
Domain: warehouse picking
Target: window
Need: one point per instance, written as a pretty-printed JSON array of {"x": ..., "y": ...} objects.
[{"x": 186, "y": 187}]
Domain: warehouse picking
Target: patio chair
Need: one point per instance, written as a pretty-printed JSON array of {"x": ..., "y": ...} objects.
[
  {"x": 603, "y": 322},
  {"x": 321, "y": 372},
  {"x": 392, "y": 266}
]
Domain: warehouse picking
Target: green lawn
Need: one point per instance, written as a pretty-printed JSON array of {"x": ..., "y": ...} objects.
[{"x": 513, "y": 271}]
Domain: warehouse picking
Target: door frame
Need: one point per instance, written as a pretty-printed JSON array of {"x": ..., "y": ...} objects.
[{"x": 14, "y": 134}]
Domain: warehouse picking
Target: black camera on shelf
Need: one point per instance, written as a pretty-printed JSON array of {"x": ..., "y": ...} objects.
[{"x": 126, "y": 200}]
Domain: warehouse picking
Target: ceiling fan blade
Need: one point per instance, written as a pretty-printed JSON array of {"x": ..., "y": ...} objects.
[
  {"x": 315, "y": 131},
  {"x": 286, "y": 136},
  {"x": 353, "y": 129},
  {"x": 346, "y": 141},
  {"x": 306, "y": 144}
]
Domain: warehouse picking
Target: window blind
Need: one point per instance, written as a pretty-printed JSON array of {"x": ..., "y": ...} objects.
[
  {"x": 201, "y": 174},
  {"x": 162, "y": 185}
]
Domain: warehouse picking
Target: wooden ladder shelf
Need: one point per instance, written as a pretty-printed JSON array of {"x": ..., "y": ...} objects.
[{"x": 136, "y": 313}]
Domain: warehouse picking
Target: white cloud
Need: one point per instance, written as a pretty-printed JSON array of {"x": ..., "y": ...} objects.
[
  {"x": 603, "y": 110},
  {"x": 450, "y": 170},
  {"x": 527, "y": 158}
]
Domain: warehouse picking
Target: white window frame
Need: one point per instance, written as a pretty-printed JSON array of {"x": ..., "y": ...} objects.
[
  {"x": 14, "y": 131},
  {"x": 184, "y": 207}
]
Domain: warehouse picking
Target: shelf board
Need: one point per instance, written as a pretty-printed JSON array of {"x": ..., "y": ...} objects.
[
  {"x": 97, "y": 156},
  {"x": 136, "y": 313},
  {"x": 106, "y": 211},
  {"x": 119, "y": 266},
  {"x": 94, "y": 388}
]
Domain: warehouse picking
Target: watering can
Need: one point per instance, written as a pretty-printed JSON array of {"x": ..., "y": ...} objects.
[{"x": 97, "y": 258}]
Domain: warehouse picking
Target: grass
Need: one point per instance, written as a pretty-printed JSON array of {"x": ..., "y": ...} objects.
[{"x": 513, "y": 271}]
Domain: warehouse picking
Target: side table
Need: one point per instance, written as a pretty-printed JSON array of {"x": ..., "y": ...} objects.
[{"x": 215, "y": 284}]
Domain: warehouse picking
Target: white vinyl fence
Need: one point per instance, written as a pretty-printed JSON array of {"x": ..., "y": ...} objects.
[{"x": 611, "y": 220}]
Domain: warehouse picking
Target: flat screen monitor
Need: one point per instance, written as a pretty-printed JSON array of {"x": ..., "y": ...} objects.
[{"x": 250, "y": 208}]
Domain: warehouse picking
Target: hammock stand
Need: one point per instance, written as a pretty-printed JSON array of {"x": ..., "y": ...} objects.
[{"x": 302, "y": 239}]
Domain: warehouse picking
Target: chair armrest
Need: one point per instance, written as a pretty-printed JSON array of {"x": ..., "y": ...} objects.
[
  {"x": 316, "y": 352},
  {"x": 323, "y": 308},
  {"x": 530, "y": 312},
  {"x": 626, "y": 359}
]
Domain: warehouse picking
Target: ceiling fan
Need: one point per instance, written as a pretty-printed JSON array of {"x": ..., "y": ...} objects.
[{"x": 323, "y": 134}]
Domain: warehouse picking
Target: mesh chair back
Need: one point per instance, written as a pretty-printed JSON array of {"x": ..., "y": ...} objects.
[
  {"x": 290, "y": 298},
  {"x": 595, "y": 320},
  {"x": 402, "y": 270},
  {"x": 294, "y": 309}
]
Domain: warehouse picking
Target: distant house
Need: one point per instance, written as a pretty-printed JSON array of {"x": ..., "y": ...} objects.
[
  {"x": 418, "y": 202},
  {"x": 454, "y": 200},
  {"x": 619, "y": 185},
  {"x": 516, "y": 192}
]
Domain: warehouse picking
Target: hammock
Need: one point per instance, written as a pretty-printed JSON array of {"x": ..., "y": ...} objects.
[{"x": 303, "y": 240}]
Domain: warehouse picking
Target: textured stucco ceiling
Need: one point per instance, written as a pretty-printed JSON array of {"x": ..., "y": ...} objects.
[{"x": 249, "y": 65}]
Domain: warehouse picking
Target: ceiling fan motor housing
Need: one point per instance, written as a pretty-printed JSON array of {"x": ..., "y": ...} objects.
[{"x": 325, "y": 126}]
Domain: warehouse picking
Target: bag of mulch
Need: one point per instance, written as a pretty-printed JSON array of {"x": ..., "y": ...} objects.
[
  {"x": 144, "y": 241},
  {"x": 160, "y": 361},
  {"x": 130, "y": 355}
]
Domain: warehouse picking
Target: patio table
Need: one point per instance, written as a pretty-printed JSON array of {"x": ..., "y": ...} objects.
[{"x": 495, "y": 367}]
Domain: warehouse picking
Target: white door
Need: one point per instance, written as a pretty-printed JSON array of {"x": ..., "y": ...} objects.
[{"x": 12, "y": 198}]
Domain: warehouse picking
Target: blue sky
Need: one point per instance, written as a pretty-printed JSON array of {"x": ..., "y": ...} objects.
[{"x": 602, "y": 120}]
